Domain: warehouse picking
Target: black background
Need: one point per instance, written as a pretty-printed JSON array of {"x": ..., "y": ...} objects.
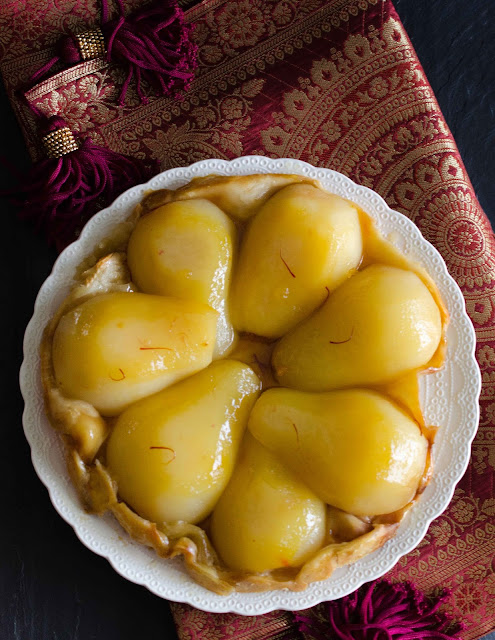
[{"x": 51, "y": 586}]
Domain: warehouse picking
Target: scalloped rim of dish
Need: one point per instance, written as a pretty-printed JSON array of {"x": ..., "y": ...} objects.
[{"x": 140, "y": 565}]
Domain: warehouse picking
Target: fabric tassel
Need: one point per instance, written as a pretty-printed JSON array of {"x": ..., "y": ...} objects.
[
  {"x": 380, "y": 611},
  {"x": 153, "y": 44},
  {"x": 76, "y": 180}
]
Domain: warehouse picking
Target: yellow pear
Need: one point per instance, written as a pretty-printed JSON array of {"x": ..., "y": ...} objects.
[
  {"x": 172, "y": 454},
  {"x": 301, "y": 244},
  {"x": 116, "y": 348},
  {"x": 378, "y": 325},
  {"x": 266, "y": 518},
  {"x": 185, "y": 249},
  {"x": 355, "y": 449}
]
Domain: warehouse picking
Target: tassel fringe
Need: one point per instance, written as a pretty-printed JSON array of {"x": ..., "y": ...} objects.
[
  {"x": 380, "y": 611},
  {"x": 152, "y": 44},
  {"x": 60, "y": 194}
]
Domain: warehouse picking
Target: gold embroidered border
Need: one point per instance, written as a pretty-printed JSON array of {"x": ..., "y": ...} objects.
[{"x": 238, "y": 69}]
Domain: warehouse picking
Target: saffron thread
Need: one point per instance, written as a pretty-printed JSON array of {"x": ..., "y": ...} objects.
[
  {"x": 118, "y": 379},
  {"x": 287, "y": 266},
  {"x": 297, "y": 433},
  {"x": 167, "y": 449},
  {"x": 342, "y": 341}
]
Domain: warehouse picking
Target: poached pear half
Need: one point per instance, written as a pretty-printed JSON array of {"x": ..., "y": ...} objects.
[
  {"x": 185, "y": 249},
  {"x": 354, "y": 448},
  {"x": 380, "y": 324},
  {"x": 266, "y": 518},
  {"x": 302, "y": 243},
  {"x": 172, "y": 454},
  {"x": 116, "y": 348}
]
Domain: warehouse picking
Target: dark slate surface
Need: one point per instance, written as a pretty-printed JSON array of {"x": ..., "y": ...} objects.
[
  {"x": 51, "y": 586},
  {"x": 455, "y": 42}
]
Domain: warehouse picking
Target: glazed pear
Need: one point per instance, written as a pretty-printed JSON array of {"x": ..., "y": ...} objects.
[
  {"x": 380, "y": 324},
  {"x": 185, "y": 249},
  {"x": 172, "y": 454},
  {"x": 302, "y": 243},
  {"x": 116, "y": 348},
  {"x": 355, "y": 449},
  {"x": 266, "y": 518}
]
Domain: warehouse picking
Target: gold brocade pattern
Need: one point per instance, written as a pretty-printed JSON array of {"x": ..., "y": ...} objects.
[
  {"x": 385, "y": 130},
  {"x": 195, "y": 625},
  {"x": 462, "y": 562}
]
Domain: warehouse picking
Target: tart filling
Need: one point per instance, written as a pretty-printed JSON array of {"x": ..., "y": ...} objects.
[{"x": 235, "y": 378}]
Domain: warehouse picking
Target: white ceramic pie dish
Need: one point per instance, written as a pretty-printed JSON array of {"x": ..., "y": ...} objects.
[{"x": 449, "y": 398}]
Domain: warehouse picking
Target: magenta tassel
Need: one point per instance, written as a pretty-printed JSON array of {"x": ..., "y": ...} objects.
[
  {"x": 380, "y": 611},
  {"x": 67, "y": 52},
  {"x": 61, "y": 194},
  {"x": 153, "y": 44}
]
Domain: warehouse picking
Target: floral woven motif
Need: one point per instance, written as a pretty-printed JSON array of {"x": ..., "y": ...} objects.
[{"x": 336, "y": 83}]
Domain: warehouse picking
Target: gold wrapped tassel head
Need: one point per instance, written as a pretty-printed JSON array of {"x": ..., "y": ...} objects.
[
  {"x": 91, "y": 44},
  {"x": 59, "y": 142}
]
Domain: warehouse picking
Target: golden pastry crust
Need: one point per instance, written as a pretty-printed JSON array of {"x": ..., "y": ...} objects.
[
  {"x": 238, "y": 196},
  {"x": 84, "y": 430},
  {"x": 99, "y": 494}
]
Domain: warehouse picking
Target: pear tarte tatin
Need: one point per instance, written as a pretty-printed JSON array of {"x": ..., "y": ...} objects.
[{"x": 235, "y": 378}]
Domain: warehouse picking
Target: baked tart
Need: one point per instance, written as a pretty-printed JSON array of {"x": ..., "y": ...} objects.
[{"x": 235, "y": 378}]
